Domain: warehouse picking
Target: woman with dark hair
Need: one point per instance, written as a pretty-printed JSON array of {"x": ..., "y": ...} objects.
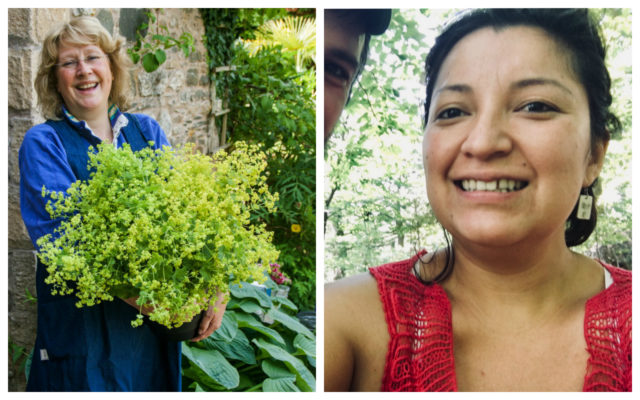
[
  {"x": 82, "y": 88},
  {"x": 517, "y": 125}
]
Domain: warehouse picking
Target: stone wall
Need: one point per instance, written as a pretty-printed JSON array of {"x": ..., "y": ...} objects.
[{"x": 178, "y": 95}]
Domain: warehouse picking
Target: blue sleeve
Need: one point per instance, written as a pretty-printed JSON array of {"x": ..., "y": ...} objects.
[
  {"x": 43, "y": 162},
  {"x": 151, "y": 127}
]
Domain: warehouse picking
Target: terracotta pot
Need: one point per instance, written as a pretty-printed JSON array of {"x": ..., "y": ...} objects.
[{"x": 186, "y": 331}]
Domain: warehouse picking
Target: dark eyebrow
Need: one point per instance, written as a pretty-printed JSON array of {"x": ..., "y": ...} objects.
[
  {"x": 343, "y": 56},
  {"x": 540, "y": 81},
  {"x": 461, "y": 88}
]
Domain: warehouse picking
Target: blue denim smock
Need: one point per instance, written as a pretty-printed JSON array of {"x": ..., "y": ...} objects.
[{"x": 89, "y": 348}]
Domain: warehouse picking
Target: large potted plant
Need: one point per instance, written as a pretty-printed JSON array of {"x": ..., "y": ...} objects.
[{"x": 170, "y": 227}]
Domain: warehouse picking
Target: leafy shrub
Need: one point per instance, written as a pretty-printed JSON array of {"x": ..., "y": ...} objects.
[
  {"x": 273, "y": 106},
  {"x": 259, "y": 347},
  {"x": 164, "y": 225}
]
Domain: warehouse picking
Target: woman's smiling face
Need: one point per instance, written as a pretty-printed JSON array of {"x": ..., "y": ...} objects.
[
  {"x": 85, "y": 86},
  {"x": 507, "y": 145}
]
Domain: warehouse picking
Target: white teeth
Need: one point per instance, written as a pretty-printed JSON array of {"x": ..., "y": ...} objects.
[
  {"x": 501, "y": 185},
  {"x": 87, "y": 86}
]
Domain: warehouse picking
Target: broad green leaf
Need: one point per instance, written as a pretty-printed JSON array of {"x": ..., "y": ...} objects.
[
  {"x": 290, "y": 322},
  {"x": 161, "y": 56},
  {"x": 238, "y": 349},
  {"x": 249, "y": 306},
  {"x": 248, "y": 290},
  {"x": 286, "y": 302},
  {"x": 248, "y": 321},
  {"x": 149, "y": 62},
  {"x": 304, "y": 378},
  {"x": 228, "y": 329},
  {"x": 275, "y": 369},
  {"x": 280, "y": 385},
  {"x": 306, "y": 345},
  {"x": 212, "y": 363}
]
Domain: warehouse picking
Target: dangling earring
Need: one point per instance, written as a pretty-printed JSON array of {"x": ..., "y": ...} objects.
[{"x": 584, "y": 205}]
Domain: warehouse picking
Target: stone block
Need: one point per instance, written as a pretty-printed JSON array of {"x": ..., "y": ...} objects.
[
  {"x": 130, "y": 20},
  {"x": 44, "y": 19},
  {"x": 19, "y": 24},
  {"x": 21, "y": 95},
  {"x": 17, "y": 232},
  {"x": 106, "y": 19}
]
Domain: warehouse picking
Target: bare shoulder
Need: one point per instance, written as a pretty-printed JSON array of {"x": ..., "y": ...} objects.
[{"x": 354, "y": 326}]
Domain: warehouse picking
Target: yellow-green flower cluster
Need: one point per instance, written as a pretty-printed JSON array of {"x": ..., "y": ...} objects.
[{"x": 171, "y": 226}]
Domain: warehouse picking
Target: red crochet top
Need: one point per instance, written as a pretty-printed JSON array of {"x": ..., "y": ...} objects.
[{"x": 420, "y": 356}]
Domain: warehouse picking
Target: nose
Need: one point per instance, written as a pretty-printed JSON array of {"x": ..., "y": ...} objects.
[
  {"x": 83, "y": 67},
  {"x": 488, "y": 137}
]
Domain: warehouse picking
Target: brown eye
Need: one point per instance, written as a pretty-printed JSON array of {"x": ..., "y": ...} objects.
[
  {"x": 538, "y": 107},
  {"x": 450, "y": 113}
]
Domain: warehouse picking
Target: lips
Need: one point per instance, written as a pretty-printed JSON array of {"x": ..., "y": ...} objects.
[
  {"x": 497, "y": 185},
  {"x": 87, "y": 86}
]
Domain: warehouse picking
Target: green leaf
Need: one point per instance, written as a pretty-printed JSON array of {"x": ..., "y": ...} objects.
[
  {"x": 228, "y": 329},
  {"x": 280, "y": 385},
  {"x": 276, "y": 369},
  {"x": 251, "y": 291},
  {"x": 238, "y": 349},
  {"x": 149, "y": 62},
  {"x": 212, "y": 363},
  {"x": 249, "y": 306},
  {"x": 161, "y": 56},
  {"x": 285, "y": 302},
  {"x": 290, "y": 322},
  {"x": 306, "y": 345},
  {"x": 248, "y": 321},
  {"x": 304, "y": 378}
]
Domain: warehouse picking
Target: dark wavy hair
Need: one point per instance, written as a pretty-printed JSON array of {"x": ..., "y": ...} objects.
[{"x": 575, "y": 30}]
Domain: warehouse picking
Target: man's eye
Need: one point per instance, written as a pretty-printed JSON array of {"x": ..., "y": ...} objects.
[
  {"x": 336, "y": 73},
  {"x": 538, "y": 107},
  {"x": 450, "y": 113}
]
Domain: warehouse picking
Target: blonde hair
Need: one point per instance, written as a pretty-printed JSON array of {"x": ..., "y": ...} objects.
[{"x": 80, "y": 31}]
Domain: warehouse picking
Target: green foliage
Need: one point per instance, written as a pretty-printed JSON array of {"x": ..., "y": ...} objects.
[
  {"x": 376, "y": 208},
  {"x": 273, "y": 106},
  {"x": 19, "y": 357},
  {"x": 170, "y": 226},
  {"x": 150, "y": 48},
  {"x": 260, "y": 346}
]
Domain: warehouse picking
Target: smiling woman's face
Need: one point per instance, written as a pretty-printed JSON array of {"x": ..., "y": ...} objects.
[
  {"x": 507, "y": 145},
  {"x": 85, "y": 86}
]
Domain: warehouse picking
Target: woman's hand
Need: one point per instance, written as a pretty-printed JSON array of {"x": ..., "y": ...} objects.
[{"x": 212, "y": 319}]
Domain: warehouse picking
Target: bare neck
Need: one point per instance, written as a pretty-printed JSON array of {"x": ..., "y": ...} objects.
[{"x": 523, "y": 280}]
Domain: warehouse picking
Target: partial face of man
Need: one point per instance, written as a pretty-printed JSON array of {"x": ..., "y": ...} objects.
[{"x": 342, "y": 48}]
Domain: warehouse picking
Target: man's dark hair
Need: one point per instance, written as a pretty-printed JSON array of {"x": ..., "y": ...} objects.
[{"x": 368, "y": 21}]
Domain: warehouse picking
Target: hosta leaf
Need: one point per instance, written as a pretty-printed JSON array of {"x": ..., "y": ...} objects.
[
  {"x": 280, "y": 385},
  {"x": 286, "y": 302},
  {"x": 251, "y": 291},
  {"x": 276, "y": 369},
  {"x": 304, "y": 378},
  {"x": 306, "y": 345},
  {"x": 249, "y": 306},
  {"x": 238, "y": 349},
  {"x": 212, "y": 363},
  {"x": 248, "y": 321},
  {"x": 290, "y": 322},
  {"x": 228, "y": 329}
]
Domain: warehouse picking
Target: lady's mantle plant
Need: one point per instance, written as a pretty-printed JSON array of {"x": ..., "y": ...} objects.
[{"x": 170, "y": 226}]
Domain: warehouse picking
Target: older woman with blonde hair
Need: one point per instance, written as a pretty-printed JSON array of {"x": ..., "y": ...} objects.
[{"x": 82, "y": 88}]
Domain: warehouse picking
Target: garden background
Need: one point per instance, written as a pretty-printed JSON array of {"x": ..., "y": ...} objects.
[
  {"x": 211, "y": 77},
  {"x": 376, "y": 210}
]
